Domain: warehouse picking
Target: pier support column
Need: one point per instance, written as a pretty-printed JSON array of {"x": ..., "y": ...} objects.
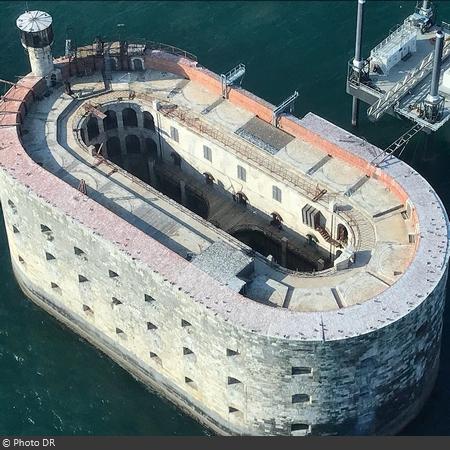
[
  {"x": 284, "y": 243},
  {"x": 358, "y": 62},
  {"x": 355, "y": 111},
  {"x": 183, "y": 192}
]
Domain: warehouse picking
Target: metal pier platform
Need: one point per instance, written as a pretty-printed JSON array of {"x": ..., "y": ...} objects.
[{"x": 397, "y": 76}]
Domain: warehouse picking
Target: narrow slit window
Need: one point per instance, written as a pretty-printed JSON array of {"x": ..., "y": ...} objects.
[
  {"x": 190, "y": 382},
  {"x": 49, "y": 256},
  {"x": 154, "y": 357},
  {"x": 301, "y": 370},
  {"x": 412, "y": 238},
  {"x": 87, "y": 309},
  {"x": 301, "y": 398},
  {"x": 55, "y": 287},
  {"x": 151, "y": 326},
  {"x": 78, "y": 251}
]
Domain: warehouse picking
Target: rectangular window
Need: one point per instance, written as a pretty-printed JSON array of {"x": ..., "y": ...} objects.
[
  {"x": 276, "y": 193},
  {"x": 300, "y": 428},
  {"x": 241, "y": 173},
  {"x": 207, "y": 153},
  {"x": 301, "y": 370},
  {"x": 300, "y": 398},
  {"x": 174, "y": 134}
]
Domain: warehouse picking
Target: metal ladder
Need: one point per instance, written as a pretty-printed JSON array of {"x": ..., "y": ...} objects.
[
  {"x": 399, "y": 143},
  {"x": 236, "y": 74}
]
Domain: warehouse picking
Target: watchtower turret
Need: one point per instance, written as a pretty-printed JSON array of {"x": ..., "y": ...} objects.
[{"x": 36, "y": 34}]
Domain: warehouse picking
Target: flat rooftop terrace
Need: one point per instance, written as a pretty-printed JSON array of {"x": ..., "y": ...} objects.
[{"x": 375, "y": 212}]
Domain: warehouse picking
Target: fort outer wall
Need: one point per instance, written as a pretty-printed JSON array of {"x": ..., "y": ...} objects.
[{"x": 366, "y": 369}]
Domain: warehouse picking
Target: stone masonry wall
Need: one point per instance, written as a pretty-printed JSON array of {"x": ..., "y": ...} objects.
[{"x": 355, "y": 386}]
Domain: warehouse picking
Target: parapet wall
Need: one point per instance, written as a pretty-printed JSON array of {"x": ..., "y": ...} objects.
[{"x": 362, "y": 369}]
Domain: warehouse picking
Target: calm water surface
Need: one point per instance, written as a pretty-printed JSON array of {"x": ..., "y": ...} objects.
[{"x": 51, "y": 381}]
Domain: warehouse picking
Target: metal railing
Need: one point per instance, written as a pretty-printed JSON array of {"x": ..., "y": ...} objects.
[
  {"x": 136, "y": 47},
  {"x": 403, "y": 28},
  {"x": 153, "y": 45},
  {"x": 241, "y": 149},
  {"x": 407, "y": 83}
]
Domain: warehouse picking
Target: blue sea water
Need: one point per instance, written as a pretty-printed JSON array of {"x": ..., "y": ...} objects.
[{"x": 53, "y": 382}]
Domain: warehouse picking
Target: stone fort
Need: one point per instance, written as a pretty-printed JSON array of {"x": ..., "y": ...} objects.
[{"x": 269, "y": 275}]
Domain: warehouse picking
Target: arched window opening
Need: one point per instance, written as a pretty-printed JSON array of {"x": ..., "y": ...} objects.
[
  {"x": 342, "y": 234},
  {"x": 176, "y": 159},
  {"x": 241, "y": 198},
  {"x": 92, "y": 128},
  {"x": 129, "y": 117},
  {"x": 312, "y": 239},
  {"x": 151, "y": 148},
  {"x": 208, "y": 178},
  {"x": 149, "y": 121},
  {"x": 132, "y": 144},
  {"x": 137, "y": 64},
  {"x": 113, "y": 150},
  {"x": 114, "y": 63},
  {"x": 276, "y": 220},
  {"x": 110, "y": 121}
]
